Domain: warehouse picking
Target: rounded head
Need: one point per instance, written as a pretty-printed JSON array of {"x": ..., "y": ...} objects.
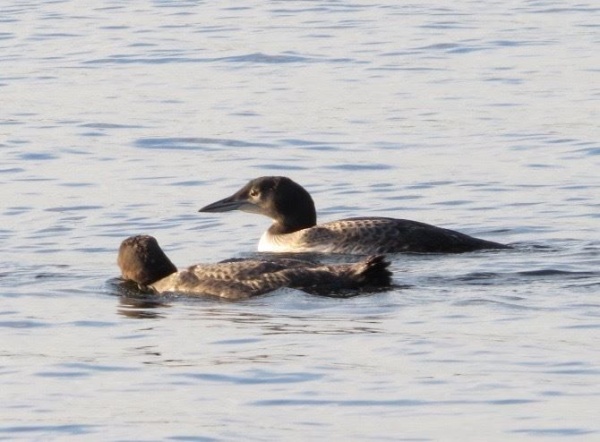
[
  {"x": 142, "y": 260},
  {"x": 278, "y": 197}
]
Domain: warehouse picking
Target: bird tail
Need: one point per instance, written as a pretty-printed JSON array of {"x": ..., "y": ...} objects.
[
  {"x": 341, "y": 280},
  {"x": 374, "y": 272}
]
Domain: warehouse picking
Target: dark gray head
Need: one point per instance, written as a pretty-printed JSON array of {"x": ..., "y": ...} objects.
[
  {"x": 287, "y": 203},
  {"x": 142, "y": 260}
]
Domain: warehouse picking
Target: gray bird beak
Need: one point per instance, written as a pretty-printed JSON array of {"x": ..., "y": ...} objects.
[{"x": 225, "y": 205}]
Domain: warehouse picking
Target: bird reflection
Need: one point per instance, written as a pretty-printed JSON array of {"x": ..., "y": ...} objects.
[
  {"x": 135, "y": 303},
  {"x": 141, "y": 308}
]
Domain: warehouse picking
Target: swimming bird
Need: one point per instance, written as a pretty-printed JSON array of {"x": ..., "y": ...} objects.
[
  {"x": 295, "y": 228},
  {"x": 142, "y": 261}
]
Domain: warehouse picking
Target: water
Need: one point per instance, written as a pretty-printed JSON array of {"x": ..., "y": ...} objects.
[{"x": 126, "y": 117}]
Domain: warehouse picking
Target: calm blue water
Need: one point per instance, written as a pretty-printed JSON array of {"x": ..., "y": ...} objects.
[{"x": 121, "y": 118}]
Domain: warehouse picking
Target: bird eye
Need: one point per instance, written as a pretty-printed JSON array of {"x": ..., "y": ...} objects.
[{"x": 254, "y": 193}]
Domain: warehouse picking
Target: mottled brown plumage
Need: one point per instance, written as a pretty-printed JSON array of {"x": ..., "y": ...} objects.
[{"x": 142, "y": 260}]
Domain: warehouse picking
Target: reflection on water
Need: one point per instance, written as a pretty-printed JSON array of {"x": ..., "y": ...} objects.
[
  {"x": 135, "y": 303},
  {"x": 141, "y": 308},
  {"x": 274, "y": 322}
]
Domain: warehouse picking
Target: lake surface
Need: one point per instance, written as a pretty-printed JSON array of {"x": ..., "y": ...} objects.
[{"x": 121, "y": 118}]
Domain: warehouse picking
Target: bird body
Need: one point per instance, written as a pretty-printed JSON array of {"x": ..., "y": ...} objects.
[
  {"x": 142, "y": 261},
  {"x": 295, "y": 228}
]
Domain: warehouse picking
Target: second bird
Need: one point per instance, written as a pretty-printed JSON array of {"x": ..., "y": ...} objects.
[{"x": 295, "y": 228}]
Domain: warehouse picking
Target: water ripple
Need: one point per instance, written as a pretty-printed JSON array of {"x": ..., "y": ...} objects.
[
  {"x": 256, "y": 377},
  {"x": 253, "y": 58},
  {"x": 383, "y": 403},
  {"x": 554, "y": 432},
  {"x": 65, "y": 430},
  {"x": 24, "y": 324},
  {"x": 204, "y": 144}
]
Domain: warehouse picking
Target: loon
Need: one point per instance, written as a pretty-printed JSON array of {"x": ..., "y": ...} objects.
[
  {"x": 142, "y": 261},
  {"x": 295, "y": 228}
]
